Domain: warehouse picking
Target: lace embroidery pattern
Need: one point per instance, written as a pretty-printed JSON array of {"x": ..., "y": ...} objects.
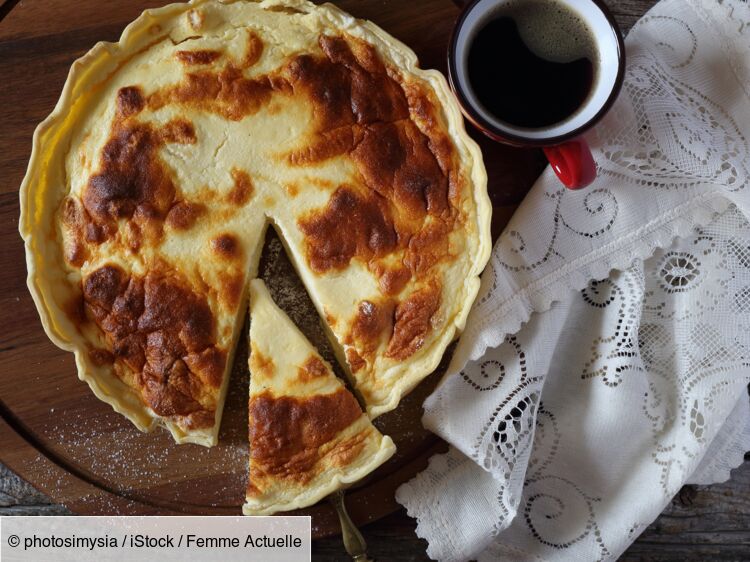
[
  {"x": 674, "y": 152},
  {"x": 634, "y": 378},
  {"x": 677, "y": 351}
]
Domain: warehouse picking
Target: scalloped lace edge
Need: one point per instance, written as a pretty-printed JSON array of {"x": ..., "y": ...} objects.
[
  {"x": 735, "y": 432},
  {"x": 735, "y": 459},
  {"x": 421, "y": 512},
  {"x": 555, "y": 287}
]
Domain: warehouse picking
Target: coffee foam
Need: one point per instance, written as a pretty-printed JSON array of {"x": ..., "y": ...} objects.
[{"x": 550, "y": 29}]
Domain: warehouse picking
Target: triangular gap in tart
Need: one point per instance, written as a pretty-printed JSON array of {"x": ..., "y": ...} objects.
[{"x": 308, "y": 434}]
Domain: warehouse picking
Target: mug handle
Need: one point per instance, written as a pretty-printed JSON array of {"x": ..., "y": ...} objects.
[{"x": 572, "y": 162}]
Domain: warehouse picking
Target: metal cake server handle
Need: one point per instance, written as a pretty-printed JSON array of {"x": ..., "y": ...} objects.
[{"x": 354, "y": 542}]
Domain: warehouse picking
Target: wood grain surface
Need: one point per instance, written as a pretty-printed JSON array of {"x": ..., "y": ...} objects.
[
  {"x": 77, "y": 449},
  {"x": 38, "y": 41}
]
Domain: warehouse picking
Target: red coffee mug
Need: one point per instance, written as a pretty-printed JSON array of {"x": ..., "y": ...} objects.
[{"x": 563, "y": 143}]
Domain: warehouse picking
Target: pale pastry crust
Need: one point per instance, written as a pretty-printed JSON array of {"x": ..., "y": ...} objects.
[
  {"x": 284, "y": 366},
  {"x": 67, "y": 152}
]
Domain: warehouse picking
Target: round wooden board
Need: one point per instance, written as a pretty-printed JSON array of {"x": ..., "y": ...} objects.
[{"x": 77, "y": 450}]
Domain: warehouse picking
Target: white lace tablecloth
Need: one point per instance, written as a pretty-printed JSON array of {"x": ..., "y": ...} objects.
[{"x": 606, "y": 361}]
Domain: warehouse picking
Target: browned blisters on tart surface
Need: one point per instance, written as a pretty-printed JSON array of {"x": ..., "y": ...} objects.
[
  {"x": 391, "y": 280},
  {"x": 131, "y": 175},
  {"x": 74, "y": 221},
  {"x": 286, "y": 433},
  {"x": 326, "y": 85},
  {"x": 312, "y": 368},
  {"x": 350, "y": 225},
  {"x": 180, "y": 131},
  {"x": 100, "y": 356},
  {"x": 428, "y": 247},
  {"x": 373, "y": 322},
  {"x": 395, "y": 160},
  {"x": 373, "y": 95},
  {"x": 363, "y": 111},
  {"x": 348, "y": 91},
  {"x": 345, "y": 452},
  {"x": 226, "y": 92},
  {"x": 184, "y": 214},
  {"x": 423, "y": 107},
  {"x": 162, "y": 331},
  {"x": 226, "y": 246},
  {"x": 413, "y": 321},
  {"x": 133, "y": 182},
  {"x": 260, "y": 364},
  {"x": 292, "y": 189},
  {"x": 254, "y": 49},
  {"x": 130, "y": 101},
  {"x": 231, "y": 288},
  {"x": 204, "y": 56},
  {"x": 326, "y": 144},
  {"x": 242, "y": 188},
  {"x": 354, "y": 359}
]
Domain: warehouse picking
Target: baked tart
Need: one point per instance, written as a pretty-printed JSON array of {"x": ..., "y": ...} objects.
[{"x": 152, "y": 183}]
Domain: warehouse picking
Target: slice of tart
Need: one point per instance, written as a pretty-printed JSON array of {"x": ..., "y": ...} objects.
[{"x": 308, "y": 434}]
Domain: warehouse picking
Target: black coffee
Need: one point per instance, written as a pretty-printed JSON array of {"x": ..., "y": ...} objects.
[{"x": 532, "y": 63}]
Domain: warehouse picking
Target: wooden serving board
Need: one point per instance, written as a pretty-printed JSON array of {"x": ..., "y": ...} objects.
[{"x": 53, "y": 431}]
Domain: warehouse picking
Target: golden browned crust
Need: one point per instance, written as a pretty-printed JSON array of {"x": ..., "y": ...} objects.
[
  {"x": 349, "y": 225},
  {"x": 227, "y": 93},
  {"x": 260, "y": 363},
  {"x": 372, "y": 320},
  {"x": 204, "y": 56},
  {"x": 364, "y": 112},
  {"x": 182, "y": 215},
  {"x": 312, "y": 369},
  {"x": 286, "y": 433},
  {"x": 372, "y": 323},
  {"x": 391, "y": 280},
  {"x": 74, "y": 220},
  {"x": 242, "y": 190},
  {"x": 133, "y": 183},
  {"x": 163, "y": 331},
  {"x": 254, "y": 49},
  {"x": 348, "y": 450},
  {"x": 227, "y": 247},
  {"x": 413, "y": 321},
  {"x": 355, "y": 360}
]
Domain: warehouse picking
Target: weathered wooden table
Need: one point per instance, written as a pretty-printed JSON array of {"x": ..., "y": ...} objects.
[{"x": 702, "y": 523}]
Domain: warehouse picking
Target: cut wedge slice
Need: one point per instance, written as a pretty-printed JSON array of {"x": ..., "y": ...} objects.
[{"x": 308, "y": 434}]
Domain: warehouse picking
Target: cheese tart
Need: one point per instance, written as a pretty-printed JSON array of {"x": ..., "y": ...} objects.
[{"x": 151, "y": 184}]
